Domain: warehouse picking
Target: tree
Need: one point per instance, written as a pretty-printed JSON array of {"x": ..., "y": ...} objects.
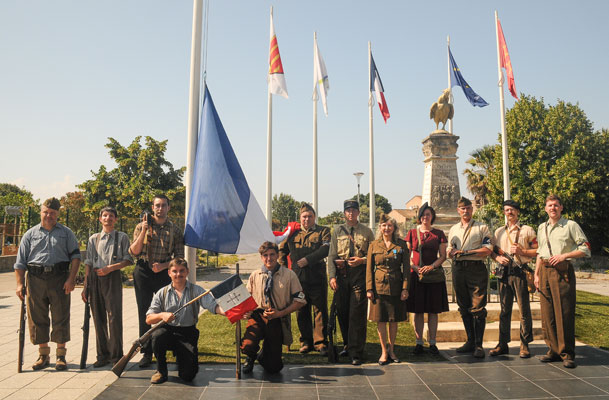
[
  {"x": 334, "y": 218},
  {"x": 364, "y": 213},
  {"x": 141, "y": 173},
  {"x": 285, "y": 209},
  {"x": 379, "y": 201},
  {"x": 553, "y": 149},
  {"x": 73, "y": 215},
  {"x": 481, "y": 161},
  {"x": 13, "y": 195}
]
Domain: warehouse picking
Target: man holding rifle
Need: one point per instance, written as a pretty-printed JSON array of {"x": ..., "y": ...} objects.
[
  {"x": 50, "y": 254},
  {"x": 107, "y": 253},
  {"x": 515, "y": 246},
  {"x": 180, "y": 332},
  {"x": 156, "y": 240}
]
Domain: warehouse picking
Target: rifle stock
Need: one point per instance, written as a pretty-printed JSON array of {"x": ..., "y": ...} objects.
[
  {"x": 22, "y": 317},
  {"x": 85, "y": 333},
  {"x": 120, "y": 365}
]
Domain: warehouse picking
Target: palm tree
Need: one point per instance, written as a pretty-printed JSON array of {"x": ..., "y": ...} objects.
[{"x": 482, "y": 163}]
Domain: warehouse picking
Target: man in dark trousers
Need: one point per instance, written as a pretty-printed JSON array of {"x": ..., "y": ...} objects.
[
  {"x": 560, "y": 241},
  {"x": 156, "y": 241},
  {"x": 307, "y": 249},
  {"x": 347, "y": 271}
]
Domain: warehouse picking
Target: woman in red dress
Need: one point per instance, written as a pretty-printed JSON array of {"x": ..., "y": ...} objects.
[{"x": 428, "y": 283}]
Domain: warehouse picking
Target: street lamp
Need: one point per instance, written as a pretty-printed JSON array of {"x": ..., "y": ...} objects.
[{"x": 358, "y": 176}]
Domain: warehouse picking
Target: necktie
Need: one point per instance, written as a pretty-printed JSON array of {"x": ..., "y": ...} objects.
[{"x": 351, "y": 244}]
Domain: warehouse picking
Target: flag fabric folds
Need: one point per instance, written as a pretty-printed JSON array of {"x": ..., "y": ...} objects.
[
  {"x": 321, "y": 78},
  {"x": 224, "y": 215},
  {"x": 504, "y": 59},
  {"x": 234, "y": 299},
  {"x": 376, "y": 86},
  {"x": 276, "y": 77},
  {"x": 457, "y": 79}
]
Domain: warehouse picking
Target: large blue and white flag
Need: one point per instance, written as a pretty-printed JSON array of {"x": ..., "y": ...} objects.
[
  {"x": 457, "y": 79},
  {"x": 224, "y": 215}
]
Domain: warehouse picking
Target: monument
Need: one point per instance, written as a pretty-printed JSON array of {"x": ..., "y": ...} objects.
[{"x": 441, "y": 180}]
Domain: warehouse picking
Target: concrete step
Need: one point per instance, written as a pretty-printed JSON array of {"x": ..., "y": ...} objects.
[
  {"x": 454, "y": 332},
  {"x": 493, "y": 310}
]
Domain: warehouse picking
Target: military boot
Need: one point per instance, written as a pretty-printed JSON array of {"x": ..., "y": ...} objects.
[
  {"x": 61, "y": 364},
  {"x": 468, "y": 323},
  {"x": 479, "y": 326},
  {"x": 43, "y": 358}
]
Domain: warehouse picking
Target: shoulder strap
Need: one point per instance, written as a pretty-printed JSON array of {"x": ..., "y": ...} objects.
[
  {"x": 97, "y": 236},
  {"x": 115, "y": 249},
  {"x": 193, "y": 305},
  {"x": 171, "y": 229},
  {"x": 466, "y": 234},
  {"x": 548, "y": 240},
  {"x": 419, "y": 247},
  {"x": 163, "y": 297}
]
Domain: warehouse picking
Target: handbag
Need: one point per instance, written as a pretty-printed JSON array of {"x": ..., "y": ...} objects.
[{"x": 436, "y": 275}]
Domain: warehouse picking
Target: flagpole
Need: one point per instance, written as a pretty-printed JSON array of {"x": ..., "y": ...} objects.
[
  {"x": 504, "y": 149},
  {"x": 450, "y": 85},
  {"x": 269, "y": 155},
  {"x": 315, "y": 98},
  {"x": 371, "y": 195},
  {"x": 193, "y": 120}
]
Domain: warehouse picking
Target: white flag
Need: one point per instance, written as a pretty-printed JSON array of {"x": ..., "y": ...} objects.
[
  {"x": 320, "y": 75},
  {"x": 276, "y": 78}
]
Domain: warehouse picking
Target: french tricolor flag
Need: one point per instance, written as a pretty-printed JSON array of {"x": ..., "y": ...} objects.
[
  {"x": 224, "y": 215},
  {"x": 376, "y": 86},
  {"x": 232, "y": 296}
]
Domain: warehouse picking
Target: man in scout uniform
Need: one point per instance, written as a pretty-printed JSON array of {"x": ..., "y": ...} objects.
[
  {"x": 560, "y": 241},
  {"x": 180, "y": 334},
  {"x": 107, "y": 253},
  {"x": 519, "y": 242},
  {"x": 156, "y": 240},
  {"x": 278, "y": 293},
  {"x": 50, "y": 254},
  {"x": 469, "y": 243},
  {"x": 347, "y": 271},
  {"x": 307, "y": 249}
]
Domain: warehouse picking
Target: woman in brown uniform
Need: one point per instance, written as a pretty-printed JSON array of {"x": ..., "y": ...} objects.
[{"x": 387, "y": 274}]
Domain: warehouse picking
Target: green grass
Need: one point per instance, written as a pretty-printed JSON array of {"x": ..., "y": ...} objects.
[
  {"x": 217, "y": 342},
  {"x": 592, "y": 319}
]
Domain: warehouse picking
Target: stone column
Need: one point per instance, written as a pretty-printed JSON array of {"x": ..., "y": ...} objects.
[{"x": 441, "y": 179}]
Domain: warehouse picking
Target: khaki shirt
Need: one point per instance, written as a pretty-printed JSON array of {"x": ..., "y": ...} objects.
[
  {"x": 526, "y": 239},
  {"x": 286, "y": 288},
  {"x": 167, "y": 242},
  {"x": 565, "y": 237},
  {"x": 388, "y": 268},
  {"x": 478, "y": 237},
  {"x": 339, "y": 244},
  {"x": 312, "y": 244}
]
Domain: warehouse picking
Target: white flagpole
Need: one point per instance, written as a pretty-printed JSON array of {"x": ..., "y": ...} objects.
[
  {"x": 504, "y": 149},
  {"x": 315, "y": 98},
  {"x": 193, "y": 120},
  {"x": 370, "y": 101},
  {"x": 450, "y": 84},
  {"x": 269, "y": 155}
]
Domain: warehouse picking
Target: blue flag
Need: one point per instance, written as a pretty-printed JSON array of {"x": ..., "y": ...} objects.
[
  {"x": 224, "y": 215},
  {"x": 457, "y": 79}
]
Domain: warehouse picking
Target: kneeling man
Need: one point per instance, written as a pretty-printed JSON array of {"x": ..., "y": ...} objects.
[
  {"x": 180, "y": 334},
  {"x": 278, "y": 293}
]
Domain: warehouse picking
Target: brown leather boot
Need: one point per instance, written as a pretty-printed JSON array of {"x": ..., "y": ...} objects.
[
  {"x": 524, "y": 350},
  {"x": 43, "y": 358},
  {"x": 61, "y": 364}
]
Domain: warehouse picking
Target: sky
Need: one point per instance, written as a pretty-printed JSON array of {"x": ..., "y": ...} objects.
[{"x": 74, "y": 73}]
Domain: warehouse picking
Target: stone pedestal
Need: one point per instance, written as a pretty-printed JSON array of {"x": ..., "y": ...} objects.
[{"x": 441, "y": 180}]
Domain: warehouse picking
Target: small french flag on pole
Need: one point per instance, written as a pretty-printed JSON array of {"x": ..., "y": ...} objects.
[{"x": 232, "y": 296}]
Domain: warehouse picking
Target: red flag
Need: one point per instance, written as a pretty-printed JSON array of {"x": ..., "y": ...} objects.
[{"x": 504, "y": 59}]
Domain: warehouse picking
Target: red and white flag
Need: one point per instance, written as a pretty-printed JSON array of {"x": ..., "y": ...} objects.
[
  {"x": 504, "y": 60},
  {"x": 276, "y": 77},
  {"x": 232, "y": 296},
  {"x": 376, "y": 86}
]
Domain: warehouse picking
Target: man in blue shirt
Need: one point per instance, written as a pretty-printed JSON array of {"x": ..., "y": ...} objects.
[
  {"x": 180, "y": 333},
  {"x": 50, "y": 254}
]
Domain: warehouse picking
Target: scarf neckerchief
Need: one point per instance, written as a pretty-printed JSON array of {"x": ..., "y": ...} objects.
[{"x": 268, "y": 286}]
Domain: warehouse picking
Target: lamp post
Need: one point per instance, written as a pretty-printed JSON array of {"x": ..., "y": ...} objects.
[{"x": 358, "y": 176}]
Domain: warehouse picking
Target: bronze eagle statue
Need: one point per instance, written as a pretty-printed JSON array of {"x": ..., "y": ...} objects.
[{"x": 442, "y": 110}]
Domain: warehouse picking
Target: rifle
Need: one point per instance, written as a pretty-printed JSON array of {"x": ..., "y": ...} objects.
[
  {"x": 120, "y": 365},
  {"x": 332, "y": 350},
  {"x": 22, "y": 317},
  {"x": 85, "y": 331},
  {"x": 513, "y": 263}
]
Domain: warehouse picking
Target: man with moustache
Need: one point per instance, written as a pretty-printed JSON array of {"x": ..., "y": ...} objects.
[
  {"x": 347, "y": 272},
  {"x": 560, "y": 241},
  {"x": 50, "y": 254},
  {"x": 519, "y": 242},
  {"x": 469, "y": 243}
]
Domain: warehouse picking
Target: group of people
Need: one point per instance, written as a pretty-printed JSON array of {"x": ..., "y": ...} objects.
[{"x": 378, "y": 279}]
